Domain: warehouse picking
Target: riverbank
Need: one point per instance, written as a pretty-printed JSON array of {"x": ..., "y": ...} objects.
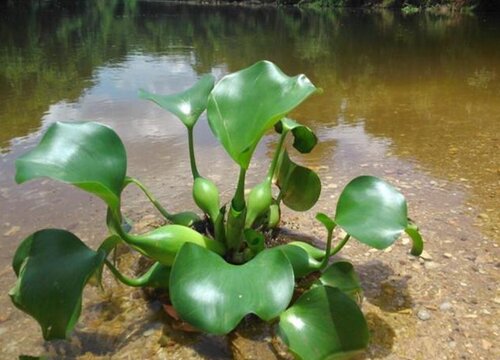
[{"x": 406, "y": 6}]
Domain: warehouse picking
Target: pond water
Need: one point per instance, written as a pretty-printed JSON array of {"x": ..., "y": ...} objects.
[{"x": 414, "y": 99}]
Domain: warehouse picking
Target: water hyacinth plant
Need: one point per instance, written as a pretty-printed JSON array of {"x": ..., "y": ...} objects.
[{"x": 214, "y": 279}]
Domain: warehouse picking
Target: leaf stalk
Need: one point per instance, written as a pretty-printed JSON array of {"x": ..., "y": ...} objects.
[
  {"x": 149, "y": 195},
  {"x": 192, "y": 159}
]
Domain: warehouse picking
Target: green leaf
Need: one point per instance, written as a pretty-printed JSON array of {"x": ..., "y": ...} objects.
[
  {"x": 53, "y": 267},
  {"x": 342, "y": 275},
  {"x": 300, "y": 187},
  {"x": 187, "y": 105},
  {"x": 86, "y": 154},
  {"x": 304, "y": 138},
  {"x": 214, "y": 296},
  {"x": 418, "y": 242},
  {"x": 302, "y": 262},
  {"x": 324, "y": 323},
  {"x": 327, "y": 221},
  {"x": 245, "y": 104},
  {"x": 372, "y": 211}
]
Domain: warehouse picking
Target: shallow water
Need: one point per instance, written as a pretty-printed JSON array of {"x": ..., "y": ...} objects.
[{"x": 414, "y": 99}]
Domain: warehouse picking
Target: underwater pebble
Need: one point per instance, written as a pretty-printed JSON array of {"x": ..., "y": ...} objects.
[
  {"x": 423, "y": 314},
  {"x": 425, "y": 255},
  {"x": 149, "y": 332},
  {"x": 445, "y": 306},
  {"x": 447, "y": 255},
  {"x": 483, "y": 216},
  {"x": 12, "y": 231},
  {"x": 486, "y": 344},
  {"x": 153, "y": 328},
  {"x": 431, "y": 265}
]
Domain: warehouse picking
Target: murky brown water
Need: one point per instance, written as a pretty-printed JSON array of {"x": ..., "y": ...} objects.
[{"x": 413, "y": 99}]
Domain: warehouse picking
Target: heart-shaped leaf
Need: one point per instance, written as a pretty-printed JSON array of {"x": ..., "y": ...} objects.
[
  {"x": 304, "y": 140},
  {"x": 214, "y": 296},
  {"x": 372, "y": 211},
  {"x": 245, "y": 104},
  {"x": 324, "y": 323},
  {"x": 53, "y": 267},
  {"x": 88, "y": 155},
  {"x": 187, "y": 105},
  {"x": 300, "y": 187},
  {"x": 341, "y": 274}
]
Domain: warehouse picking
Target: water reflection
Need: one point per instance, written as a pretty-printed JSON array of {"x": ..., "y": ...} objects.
[{"x": 426, "y": 85}]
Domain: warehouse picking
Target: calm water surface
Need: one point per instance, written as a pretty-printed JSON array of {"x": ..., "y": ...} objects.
[{"x": 404, "y": 97}]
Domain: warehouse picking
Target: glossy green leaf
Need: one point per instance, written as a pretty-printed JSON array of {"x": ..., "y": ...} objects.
[
  {"x": 53, "y": 267},
  {"x": 324, "y": 323},
  {"x": 300, "y": 187},
  {"x": 327, "y": 221},
  {"x": 304, "y": 140},
  {"x": 214, "y": 296},
  {"x": 302, "y": 262},
  {"x": 163, "y": 244},
  {"x": 88, "y": 155},
  {"x": 245, "y": 104},
  {"x": 187, "y": 105},
  {"x": 418, "y": 242},
  {"x": 341, "y": 274},
  {"x": 372, "y": 211}
]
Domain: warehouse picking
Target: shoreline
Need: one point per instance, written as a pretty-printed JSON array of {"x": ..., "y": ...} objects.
[{"x": 405, "y": 7}]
